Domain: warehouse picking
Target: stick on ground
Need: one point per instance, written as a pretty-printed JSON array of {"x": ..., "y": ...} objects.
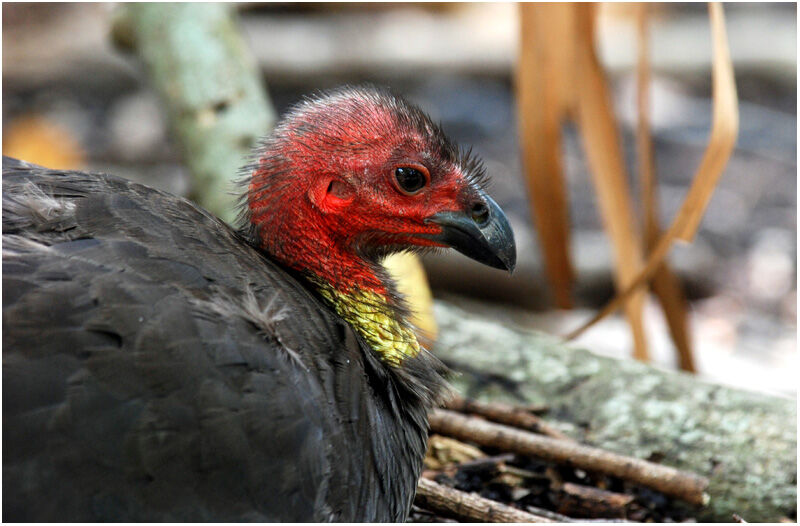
[
  {"x": 467, "y": 506},
  {"x": 505, "y": 414},
  {"x": 587, "y": 501},
  {"x": 667, "y": 480}
]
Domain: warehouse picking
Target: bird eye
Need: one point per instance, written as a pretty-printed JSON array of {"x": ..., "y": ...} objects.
[{"x": 410, "y": 180}]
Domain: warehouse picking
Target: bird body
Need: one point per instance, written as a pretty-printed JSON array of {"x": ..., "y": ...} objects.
[{"x": 159, "y": 365}]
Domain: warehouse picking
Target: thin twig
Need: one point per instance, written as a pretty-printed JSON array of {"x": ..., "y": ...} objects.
[
  {"x": 521, "y": 473},
  {"x": 667, "y": 480},
  {"x": 416, "y": 510},
  {"x": 505, "y": 414},
  {"x": 486, "y": 463},
  {"x": 447, "y": 450},
  {"x": 550, "y": 514},
  {"x": 535, "y": 408},
  {"x": 603, "y": 521},
  {"x": 586, "y": 501},
  {"x": 467, "y": 506}
]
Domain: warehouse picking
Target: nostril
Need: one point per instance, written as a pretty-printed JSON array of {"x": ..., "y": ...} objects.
[{"x": 480, "y": 213}]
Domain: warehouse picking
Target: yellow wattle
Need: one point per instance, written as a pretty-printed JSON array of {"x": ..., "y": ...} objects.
[{"x": 374, "y": 319}]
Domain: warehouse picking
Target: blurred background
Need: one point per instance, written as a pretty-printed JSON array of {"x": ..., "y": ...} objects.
[{"x": 71, "y": 99}]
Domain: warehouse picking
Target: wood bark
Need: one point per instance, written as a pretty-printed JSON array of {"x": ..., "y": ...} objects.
[
  {"x": 745, "y": 443},
  {"x": 670, "y": 481},
  {"x": 467, "y": 506}
]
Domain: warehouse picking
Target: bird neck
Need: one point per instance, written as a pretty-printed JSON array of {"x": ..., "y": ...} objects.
[
  {"x": 375, "y": 315},
  {"x": 358, "y": 290}
]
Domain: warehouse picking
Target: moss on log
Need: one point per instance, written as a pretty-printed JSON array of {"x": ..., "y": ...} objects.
[
  {"x": 199, "y": 64},
  {"x": 745, "y": 443}
]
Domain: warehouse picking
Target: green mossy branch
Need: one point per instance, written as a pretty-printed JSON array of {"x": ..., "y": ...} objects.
[{"x": 198, "y": 63}]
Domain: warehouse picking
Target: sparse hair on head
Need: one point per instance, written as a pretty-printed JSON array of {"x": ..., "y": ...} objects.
[{"x": 312, "y": 116}]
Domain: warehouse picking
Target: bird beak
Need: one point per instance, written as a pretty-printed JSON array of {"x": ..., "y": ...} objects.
[{"x": 481, "y": 233}]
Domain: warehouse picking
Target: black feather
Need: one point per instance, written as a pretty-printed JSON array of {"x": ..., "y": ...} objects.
[{"x": 157, "y": 367}]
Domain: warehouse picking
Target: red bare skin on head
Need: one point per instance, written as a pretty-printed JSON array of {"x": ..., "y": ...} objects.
[{"x": 324, "y": 196}]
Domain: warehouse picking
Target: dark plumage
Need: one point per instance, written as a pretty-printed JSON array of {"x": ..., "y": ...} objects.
[{"x": 159, "y": 366}]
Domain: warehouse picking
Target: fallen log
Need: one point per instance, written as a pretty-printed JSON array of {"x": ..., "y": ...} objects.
[{"x": 744, "y": 443}]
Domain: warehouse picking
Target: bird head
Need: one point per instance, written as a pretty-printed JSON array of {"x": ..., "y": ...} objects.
[{"x": 350, "y": 176}]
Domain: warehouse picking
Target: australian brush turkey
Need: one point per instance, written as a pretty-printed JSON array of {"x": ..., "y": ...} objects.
[{"x": 161, "y": 366}]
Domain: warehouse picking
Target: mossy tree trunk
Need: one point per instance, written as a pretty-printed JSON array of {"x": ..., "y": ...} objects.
[{"x": 210, "y": 85}]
